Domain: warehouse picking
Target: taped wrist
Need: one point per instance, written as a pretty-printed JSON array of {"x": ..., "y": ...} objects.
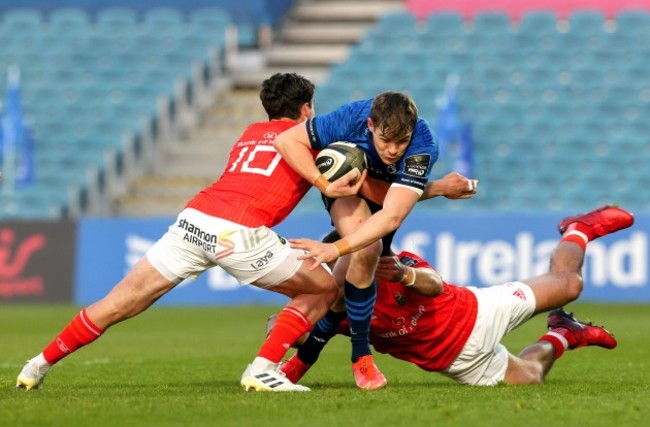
[
  {"x": 343, "y": 246},
  {"x": 409, "y": 277},
  {"x": 321, "y": 183}
]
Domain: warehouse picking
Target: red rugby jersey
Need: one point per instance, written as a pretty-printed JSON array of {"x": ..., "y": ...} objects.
[
  {"x": 257, "y": 186},
  {"x": 427, "y": 331}
]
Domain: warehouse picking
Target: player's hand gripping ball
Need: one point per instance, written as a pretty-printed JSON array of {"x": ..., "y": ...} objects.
[{"x": 339, "y": 158}]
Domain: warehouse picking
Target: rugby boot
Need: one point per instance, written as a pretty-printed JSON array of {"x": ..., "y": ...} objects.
[
  {"x": 367, "y": 375},
  {"x": 579, "y": 334},
  {"x": 32, "y": 376},
  {"x": 294, "y": 368},
  {"x": 599, "y": 222},
  {"x": 268, "y": 380}
]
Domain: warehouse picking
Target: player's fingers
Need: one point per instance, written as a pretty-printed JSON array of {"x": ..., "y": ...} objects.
[
  {"x": 305, "y": 256},
  {"x": 297, "y": 243},
  {"x": 360, "y": 179}
]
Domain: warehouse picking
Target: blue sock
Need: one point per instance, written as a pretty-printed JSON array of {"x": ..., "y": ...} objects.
[
  {"x": 319, "y": 336},
  {"x": 359, "y": 304}
]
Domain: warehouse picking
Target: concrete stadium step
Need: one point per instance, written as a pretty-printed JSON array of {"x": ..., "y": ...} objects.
[
  {"x": 307, "y": 55},
  {"x": 345, "y": 11},
  {"x": 253, "y": 78},
  {"x": 148, "y": 206},
  {"x": 203, "y": 158},
  {"x": 160, "y": 185},
  {"x": 322, "y": 33}
]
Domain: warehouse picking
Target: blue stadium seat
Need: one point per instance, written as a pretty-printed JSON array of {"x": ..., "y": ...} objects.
[
  {"x": 22, "y": 21},
  {"x": 163, "y": 21},
  {"x": 586, "y": 30},
  {"x": 633, "y": 27},
  {"x": 68, "y": 20},
  {"x": 491, "y": 26},
  {"x": 587, "y": 22},
  {"x": 445, "y": 24},
  {"x": 208, "y": 25},
  {"x": 116, "y": 20},
  {"x": 538, "y": 23}
]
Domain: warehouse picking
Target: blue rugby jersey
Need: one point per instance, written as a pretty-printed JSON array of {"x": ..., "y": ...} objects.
[{"x": 349, "y": 123}]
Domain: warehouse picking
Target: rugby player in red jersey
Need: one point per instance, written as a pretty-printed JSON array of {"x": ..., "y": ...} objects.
[
  {"x": 456, "y": 331},
  {"x": 228, "y": 224}
]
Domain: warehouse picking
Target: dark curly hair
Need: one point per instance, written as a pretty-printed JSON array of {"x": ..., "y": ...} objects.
[{"x": 284, "y": 94}]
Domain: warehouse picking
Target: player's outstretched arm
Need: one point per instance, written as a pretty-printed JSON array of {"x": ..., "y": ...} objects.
[
  {"x": 423, "y": 280},
  {"x": 399, "y": 202},
  {"x": 294, "y": 147},
  {"x": 452, "y": 186}
]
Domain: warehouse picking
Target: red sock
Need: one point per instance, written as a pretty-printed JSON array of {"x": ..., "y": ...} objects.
[
  {"x": 290, "y": 325},
  {"x": 558, "y": 341},
  {"x": 79, "y": 332},
  {"x": 575, "y": 235}
]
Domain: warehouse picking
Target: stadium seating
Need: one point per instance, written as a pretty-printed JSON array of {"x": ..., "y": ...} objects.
[
  {"x": 518, "y": 8},
  {"x": 551, "y": 93},
  {"x": 559, "y": 108},
  {"x": 86, "y": 82}
]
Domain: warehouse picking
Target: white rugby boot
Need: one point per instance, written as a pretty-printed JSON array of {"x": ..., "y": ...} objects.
[
  {"x": 32, "y": 375},
  {"x": 269, "y": 379}
]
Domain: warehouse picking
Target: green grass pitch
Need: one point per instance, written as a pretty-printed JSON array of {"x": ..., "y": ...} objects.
[{"x": 181, "y": 367}]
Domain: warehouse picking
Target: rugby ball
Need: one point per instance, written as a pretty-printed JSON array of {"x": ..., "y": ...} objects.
[{"x": 339, "y": 158}]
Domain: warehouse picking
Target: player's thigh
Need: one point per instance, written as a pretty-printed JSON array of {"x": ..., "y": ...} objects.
[
  {"x": 182, "y": 252},
  {"x": 141, "y": 287},
  {"x": 483, "y": 360},
  {"x": 554, "y": 290},
  {"x": 144, "y": 280},
  {"x": 196, "y": 242},
  {"x": 305, "y": 281},
  {"x": 260, "y": 257},
  {"x": 348, "y": 213},
  {"x": 504, "y": 307}
]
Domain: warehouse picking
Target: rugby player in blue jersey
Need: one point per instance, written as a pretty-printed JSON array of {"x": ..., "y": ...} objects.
[{"x": 400, "y": 150}]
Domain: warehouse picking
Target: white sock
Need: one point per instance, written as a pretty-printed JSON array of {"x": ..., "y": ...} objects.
[
  {"x": 41, "y": 362},
  {"x": 261, "y": 364}
]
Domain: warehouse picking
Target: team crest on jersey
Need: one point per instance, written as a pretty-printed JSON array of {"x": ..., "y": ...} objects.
[
  {"x": 282, "y": 240},
  {"x": 417, "y": 165},
  {"x": 408, "y": 261},
  {"x": 400, "y": 299}
]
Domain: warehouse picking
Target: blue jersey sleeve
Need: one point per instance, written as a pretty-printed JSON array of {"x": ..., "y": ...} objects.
[
  {"x": 418, "y": 160},
  {"x": 347, "y": 123}
]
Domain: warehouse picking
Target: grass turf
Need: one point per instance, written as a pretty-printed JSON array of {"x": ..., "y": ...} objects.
[{"x": 181, "y": 366}]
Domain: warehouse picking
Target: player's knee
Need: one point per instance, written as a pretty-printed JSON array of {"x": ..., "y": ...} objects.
[
  {"x": 369, "y": 254},
  {"x": 526, "y": 374},
  {"x": 331, "y": 292},
  {"x": 574, "y": 285},
  {"x": 535, "y": 374}
]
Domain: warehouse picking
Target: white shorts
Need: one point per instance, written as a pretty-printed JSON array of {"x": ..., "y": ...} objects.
[
  {"x": 196, "y": 242},
  {"x": 483, "y": 360}
]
